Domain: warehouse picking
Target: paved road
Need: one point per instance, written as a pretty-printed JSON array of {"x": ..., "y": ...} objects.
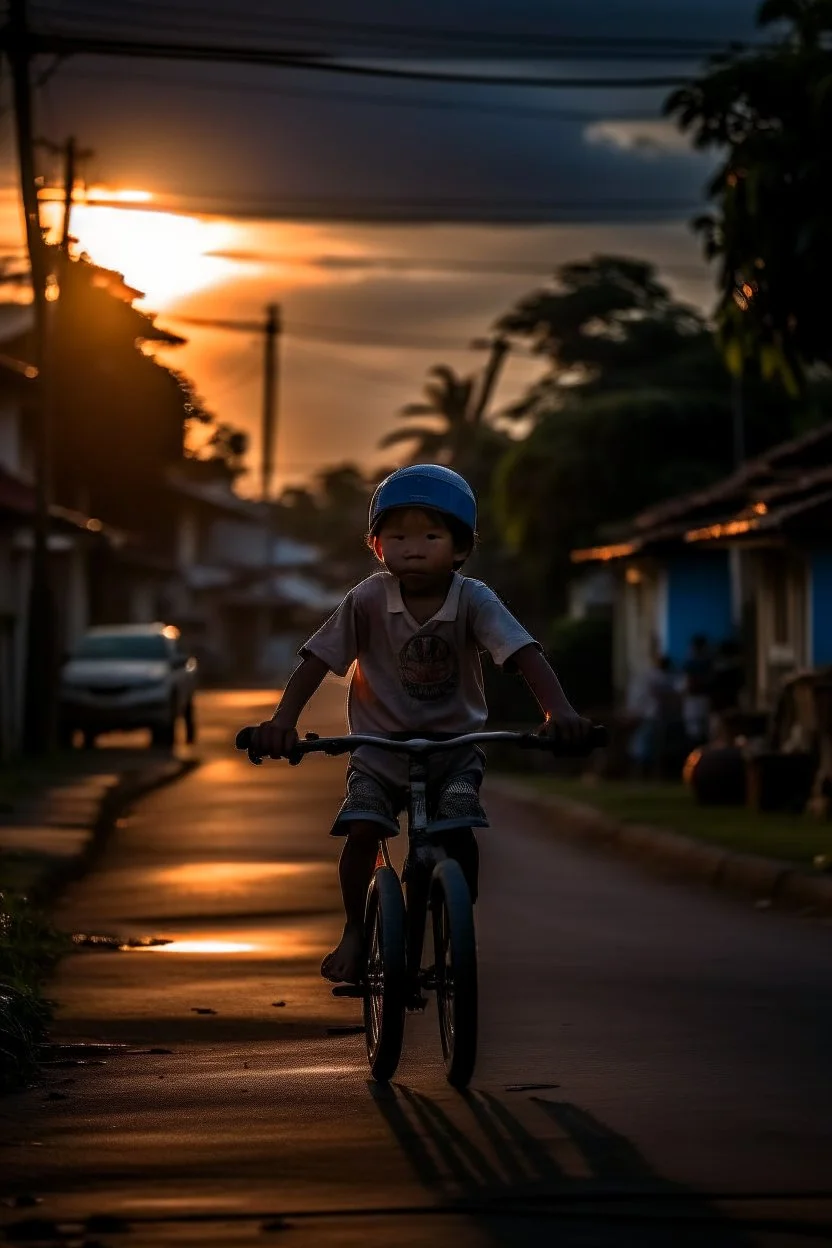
[{"x": 683, "y": 1040}]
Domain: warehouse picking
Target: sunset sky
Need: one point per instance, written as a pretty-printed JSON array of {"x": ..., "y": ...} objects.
[{"x": 264, "y": 176}]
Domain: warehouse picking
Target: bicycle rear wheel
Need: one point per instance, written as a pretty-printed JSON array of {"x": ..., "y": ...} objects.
[
  {"x": 455, "y": 961},
  {"x": 385, "y": 974}
]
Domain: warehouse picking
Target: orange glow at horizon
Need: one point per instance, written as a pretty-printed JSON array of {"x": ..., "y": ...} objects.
[
  {"x": 94, "y": 193},
  {"x": 166, "y": 255}
]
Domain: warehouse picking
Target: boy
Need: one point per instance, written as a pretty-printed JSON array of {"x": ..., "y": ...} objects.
[{"x": 414, "y": 631}]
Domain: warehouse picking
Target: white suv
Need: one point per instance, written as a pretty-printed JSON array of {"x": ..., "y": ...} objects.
[{"x": 128, "y": 676}]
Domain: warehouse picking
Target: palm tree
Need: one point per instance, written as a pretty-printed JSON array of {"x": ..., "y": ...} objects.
[
  {"x": 456, "y": 407},
  {"x": 447, "y": 404}
]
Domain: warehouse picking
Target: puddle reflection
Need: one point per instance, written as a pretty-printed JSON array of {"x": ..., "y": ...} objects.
[
  {"x": 192, "y": 946},
  {"x": 280, "y": 943}
]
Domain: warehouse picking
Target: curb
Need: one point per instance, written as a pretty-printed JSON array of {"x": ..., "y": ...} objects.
[
  {"x": 114, "y": 802},
  {"x": 24, "y": 1026},
  {"x": 764, "y": 880}
]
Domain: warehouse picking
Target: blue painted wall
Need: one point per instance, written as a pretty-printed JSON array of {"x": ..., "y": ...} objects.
[
  {"x": 821, "y": 605},
  {"x": 698, "y": 601}
]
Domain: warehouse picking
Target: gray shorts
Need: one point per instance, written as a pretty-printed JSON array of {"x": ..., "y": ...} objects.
[{"x": 452, "y": 803}]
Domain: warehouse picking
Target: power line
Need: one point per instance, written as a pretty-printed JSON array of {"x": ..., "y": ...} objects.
[
  {"x": 97, "y": 45},
  {"x": 339, "y": 335},
  {"x": 336, "y": 334},
  {"x": 246, "y": 373},
  {"x": 403, "y": 210},
  {"x": 503, "y": 42},
  {"x": 355, "y": 98},
  {"x": 587, "y": 52},
  {"x": 425, "y": 264}
]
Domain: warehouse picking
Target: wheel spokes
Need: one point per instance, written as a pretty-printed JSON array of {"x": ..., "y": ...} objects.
[
  {"x": 375, "y": 983},
  {"x": 447, "y": 976}
]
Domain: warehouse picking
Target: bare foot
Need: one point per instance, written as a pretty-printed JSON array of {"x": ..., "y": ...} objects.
[{"x": 343, "y": 965}]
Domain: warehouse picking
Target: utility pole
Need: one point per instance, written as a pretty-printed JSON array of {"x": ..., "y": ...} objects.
[
  {"x": 738, "y": 417},
  {"x": 41, "y": 653},
  {"x": 70, "y": 156},
  {"x": 271, "y": 377},
  {"x": 499, "y": 348},
  {"x": 69, "y": 186}
]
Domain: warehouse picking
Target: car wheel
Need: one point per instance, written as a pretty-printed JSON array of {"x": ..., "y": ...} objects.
[
  {"x": 164, "y": 735},
  {"x": 190, "y": 723}
]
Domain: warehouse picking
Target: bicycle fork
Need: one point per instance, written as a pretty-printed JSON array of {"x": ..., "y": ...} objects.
[{"x": 422, "y": 856}]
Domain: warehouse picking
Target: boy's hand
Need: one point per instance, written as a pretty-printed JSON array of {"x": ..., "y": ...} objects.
[
  {"x": 567, "y": 726},
  {"x": 274, "y": 739}
]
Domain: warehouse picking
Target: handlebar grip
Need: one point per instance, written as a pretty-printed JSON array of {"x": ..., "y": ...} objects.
[
  {"x": 243, "y": 741},
  {"x": 245, "y": 737},
  {"x": 598, "y": 738}
]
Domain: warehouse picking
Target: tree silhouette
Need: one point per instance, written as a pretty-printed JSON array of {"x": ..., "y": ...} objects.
[
  {"x": 604, "y": 324},
  {"x": 635, "y": 407},
  {"x": 770, "y": 113},
  {"x": 448, "y": 403}
]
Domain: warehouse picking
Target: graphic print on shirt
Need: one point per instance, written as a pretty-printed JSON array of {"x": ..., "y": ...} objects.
[{"x": 428, "y": 668}]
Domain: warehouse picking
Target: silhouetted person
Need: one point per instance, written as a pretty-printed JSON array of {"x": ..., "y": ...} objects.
[{"x": 696, "y": 697}]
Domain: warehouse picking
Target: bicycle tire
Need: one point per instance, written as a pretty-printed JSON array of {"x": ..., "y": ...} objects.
[
  {"x": 455, "y": 962},
  {"x": 385, "y": 974}
]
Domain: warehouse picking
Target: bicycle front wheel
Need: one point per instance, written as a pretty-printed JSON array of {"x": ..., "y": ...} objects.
[
  {"x": 385, "y": 974},
  {"x": 455, "y": 954}
]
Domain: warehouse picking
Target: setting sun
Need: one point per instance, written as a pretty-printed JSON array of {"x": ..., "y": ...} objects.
[{"x": 164, "y": 254}]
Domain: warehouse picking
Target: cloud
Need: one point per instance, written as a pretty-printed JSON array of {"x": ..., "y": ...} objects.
[
  {"x": 649, "y": 139},
  {"x": 301, "y": 144},
  {"x": 338, "y": 397},
  {"x": 255, "y": 141}
]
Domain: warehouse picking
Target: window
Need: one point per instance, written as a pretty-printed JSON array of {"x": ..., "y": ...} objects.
[{"x": 142, "y": 646}]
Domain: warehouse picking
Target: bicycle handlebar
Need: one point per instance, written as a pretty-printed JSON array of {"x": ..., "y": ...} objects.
[{"x": 314, "y": 744}]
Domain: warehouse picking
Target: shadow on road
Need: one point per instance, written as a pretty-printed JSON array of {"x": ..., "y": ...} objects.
[{"x": 567, "y": 1178}]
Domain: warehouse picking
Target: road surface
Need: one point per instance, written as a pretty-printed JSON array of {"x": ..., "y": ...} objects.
[{"x": 655, "y": 1059}]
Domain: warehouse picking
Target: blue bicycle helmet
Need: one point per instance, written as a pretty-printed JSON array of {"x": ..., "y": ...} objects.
[{"x": 426, "y": 485}]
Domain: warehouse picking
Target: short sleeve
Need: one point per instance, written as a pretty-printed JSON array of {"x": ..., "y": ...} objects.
[
  {"x": 336, "y": 641},
  {"x": 495, "y": 628}
]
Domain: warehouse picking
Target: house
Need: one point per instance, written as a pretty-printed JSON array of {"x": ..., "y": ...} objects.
[
  {"x": 79, "y": 546},
  {"x": 243, "y": 596},
  {"x": 142, "y": 531},
  {"x": 71, "y": 540},
  {"x": 749, "y": 557}
]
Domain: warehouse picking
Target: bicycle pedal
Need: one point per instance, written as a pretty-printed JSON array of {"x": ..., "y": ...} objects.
[{"x": 348, "y": 990}]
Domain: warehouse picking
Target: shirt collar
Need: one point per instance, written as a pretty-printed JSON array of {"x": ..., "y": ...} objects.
[{"x": 448, "y": 611}]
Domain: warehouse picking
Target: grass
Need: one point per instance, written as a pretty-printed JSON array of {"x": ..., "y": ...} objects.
[
  {"x": 29, "y": 948},
  {"x": 793, "y": 838}
]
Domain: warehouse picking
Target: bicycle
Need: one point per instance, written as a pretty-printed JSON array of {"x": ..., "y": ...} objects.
[{"x": 393, "y": 978}]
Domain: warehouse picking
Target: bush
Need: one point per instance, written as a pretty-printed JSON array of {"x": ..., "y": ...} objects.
[
  {"x": 29, "y": 948},
  {"x": 580, "y": 651}
]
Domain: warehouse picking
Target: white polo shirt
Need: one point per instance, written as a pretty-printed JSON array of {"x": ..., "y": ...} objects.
[{"x": 412, "y": 677}]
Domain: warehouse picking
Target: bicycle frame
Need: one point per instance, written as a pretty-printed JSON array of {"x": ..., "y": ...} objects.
[
  {"x": 418, "y": 750},
  {"x": 423, "y": 854},
  {"x": 394, "y": 930},
  {"x": 417, "y": 813}
]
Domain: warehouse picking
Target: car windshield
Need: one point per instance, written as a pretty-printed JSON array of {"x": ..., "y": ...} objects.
[{"x": 121, "y": 646}]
